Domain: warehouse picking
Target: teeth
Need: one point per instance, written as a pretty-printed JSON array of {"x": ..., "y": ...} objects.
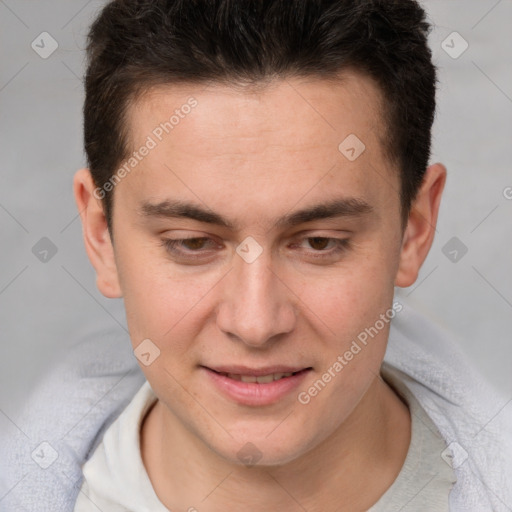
[
  {"x": 262, "y": 379},
  {"x": 265, "y": 379}
]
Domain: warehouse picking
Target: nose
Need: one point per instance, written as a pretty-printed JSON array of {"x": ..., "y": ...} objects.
[{"x": 256, "y": 307}]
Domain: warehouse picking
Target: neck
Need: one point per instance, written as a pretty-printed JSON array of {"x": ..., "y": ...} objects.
[{"x": 350, "y": 470}]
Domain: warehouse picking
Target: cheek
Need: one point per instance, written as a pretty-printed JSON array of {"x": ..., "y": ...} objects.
[
  {"x": 160, "y": 302},
  {"x": 353, "y": 338},
  {"x": 351, "y": 297}
]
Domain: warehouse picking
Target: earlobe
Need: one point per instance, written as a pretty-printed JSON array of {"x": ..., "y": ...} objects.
[
  {"x": 420, "y": 230},
  {"x": 98, "y": 244}
]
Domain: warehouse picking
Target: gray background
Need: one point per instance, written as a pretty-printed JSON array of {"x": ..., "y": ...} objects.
[{"x": 46, "y": 307}]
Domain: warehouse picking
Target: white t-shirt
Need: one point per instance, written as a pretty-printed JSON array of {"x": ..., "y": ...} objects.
[{"x": 115, "y": 479}]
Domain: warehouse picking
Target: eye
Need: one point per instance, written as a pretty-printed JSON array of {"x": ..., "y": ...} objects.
[
  {"x": 191, "y": 245},
  {"x": 319, "y": 243},
  {"x": 326, "y": 247}
]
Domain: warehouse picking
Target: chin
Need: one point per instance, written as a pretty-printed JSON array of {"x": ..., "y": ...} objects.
[{"x": 264, "y": 450}]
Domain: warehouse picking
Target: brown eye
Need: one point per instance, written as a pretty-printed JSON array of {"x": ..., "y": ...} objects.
[
  {"x": 319, "y": 243},
  {"x": 326, "y": 248},
  {"x": 193, "y": 243},
  {"x": 188, "y": 247}
]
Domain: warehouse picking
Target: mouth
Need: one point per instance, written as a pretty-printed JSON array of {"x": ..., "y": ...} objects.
[
  {"x": 256, "y": 387},
  {"x": 266, "y": 378}
]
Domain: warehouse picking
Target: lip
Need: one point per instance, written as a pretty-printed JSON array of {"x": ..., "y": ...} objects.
[
  {"x": 254, "y": 393},
  {"x": 256, "y": 372}
]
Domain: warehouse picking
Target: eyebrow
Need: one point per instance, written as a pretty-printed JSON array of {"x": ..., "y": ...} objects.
[{"x": 342, "y": 207}]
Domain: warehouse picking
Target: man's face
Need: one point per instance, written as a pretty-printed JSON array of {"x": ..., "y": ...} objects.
[{"x": 291, "y": 298}]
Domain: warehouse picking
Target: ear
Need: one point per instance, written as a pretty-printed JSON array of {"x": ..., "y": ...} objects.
[
  {"x": 96, "y": 235},
  {"x": 420, "y": 229}
]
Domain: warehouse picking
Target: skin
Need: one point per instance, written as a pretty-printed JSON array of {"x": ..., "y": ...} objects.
[{"x": 253, "y": 157}]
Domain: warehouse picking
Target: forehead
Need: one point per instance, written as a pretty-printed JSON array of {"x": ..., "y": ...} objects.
[
  {"x": 300, "y": 108},
  {"x": 282, "y": 139}
]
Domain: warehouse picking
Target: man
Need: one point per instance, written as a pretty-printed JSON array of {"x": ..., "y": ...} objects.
[{"x": 258, "y": 185}]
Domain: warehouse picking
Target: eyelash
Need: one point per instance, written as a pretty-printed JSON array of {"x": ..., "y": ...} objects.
[{"x": 341, "y": 245}]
